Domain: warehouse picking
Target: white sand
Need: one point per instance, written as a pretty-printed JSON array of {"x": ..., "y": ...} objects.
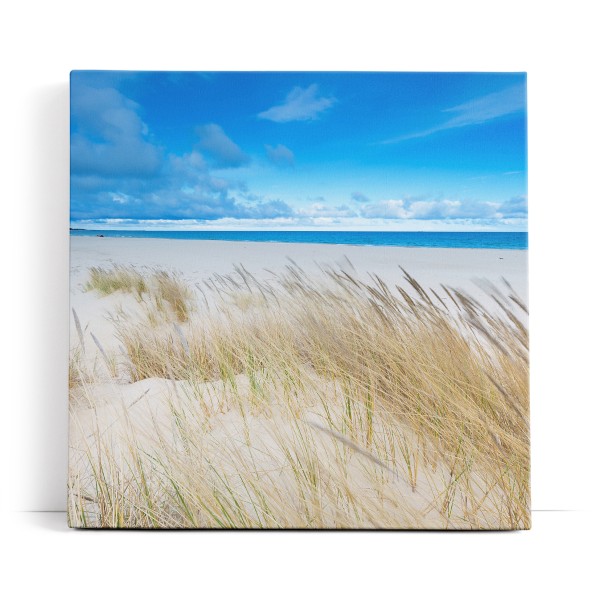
[{"x": 198, "y": 260}]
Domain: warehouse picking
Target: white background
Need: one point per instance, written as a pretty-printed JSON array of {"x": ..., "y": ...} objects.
[{"x": 555, "y": 43}]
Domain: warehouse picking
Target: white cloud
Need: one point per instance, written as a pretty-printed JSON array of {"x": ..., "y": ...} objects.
[
  {"x": 486, "y": 108},
  {"x": 280, "y": 155},
  {"x": 120, "y": 198},
  {"x": 192, "y": 162},
  {"x": 514, "y": 208},
  {"x": 385, "y": 209},
  {"x": 432, "y": 209},
  {"x": 359, "y": 197},
  {"x": 296, "y": 223},
  {"x": 224, "y": 151},
  {"x": 474, "y": 112},
  {"x": 110, "y": 138},
  {"x": 299, "y": 105},
  {"x": 320, "y": 211}
]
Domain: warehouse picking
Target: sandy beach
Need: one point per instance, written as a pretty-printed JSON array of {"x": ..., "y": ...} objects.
[
  {"x": 246, "y": 384},
  {"x": 197, "y": 260}
]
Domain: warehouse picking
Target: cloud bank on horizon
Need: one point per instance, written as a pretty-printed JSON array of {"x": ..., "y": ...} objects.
[{"x": 402, "y": 151}]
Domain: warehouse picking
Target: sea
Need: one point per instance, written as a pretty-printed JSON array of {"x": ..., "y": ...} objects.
[{"x": 419, "y": 239}]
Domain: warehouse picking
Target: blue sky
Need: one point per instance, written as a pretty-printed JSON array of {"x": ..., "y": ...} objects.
[{"x": 300, "y": 150}]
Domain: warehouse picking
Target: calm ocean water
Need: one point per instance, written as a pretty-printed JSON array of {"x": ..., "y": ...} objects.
[{"x": 421, "y": 239}]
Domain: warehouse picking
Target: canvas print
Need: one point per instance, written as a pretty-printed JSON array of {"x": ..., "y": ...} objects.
[{"x": 298, "y": 301}]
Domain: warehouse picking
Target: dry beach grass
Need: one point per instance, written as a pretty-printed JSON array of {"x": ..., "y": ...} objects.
[{"x": 306, "y": 401}]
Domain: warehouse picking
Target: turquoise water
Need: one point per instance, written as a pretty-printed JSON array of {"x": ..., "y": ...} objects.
[{"x": 420, "y": 239}]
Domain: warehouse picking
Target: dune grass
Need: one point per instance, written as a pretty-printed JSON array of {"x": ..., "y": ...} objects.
[
  {"x": 116, "y": 279},
  {"x": 315, "y": 402},
  {"x": 166, "y": 290}
]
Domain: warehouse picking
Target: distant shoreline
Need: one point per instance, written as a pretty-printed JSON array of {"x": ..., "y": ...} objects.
[{"x": 422, "y": 239}]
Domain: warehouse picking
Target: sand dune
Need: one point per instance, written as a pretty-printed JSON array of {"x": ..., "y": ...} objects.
[{"x": 243, "y": 416}]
